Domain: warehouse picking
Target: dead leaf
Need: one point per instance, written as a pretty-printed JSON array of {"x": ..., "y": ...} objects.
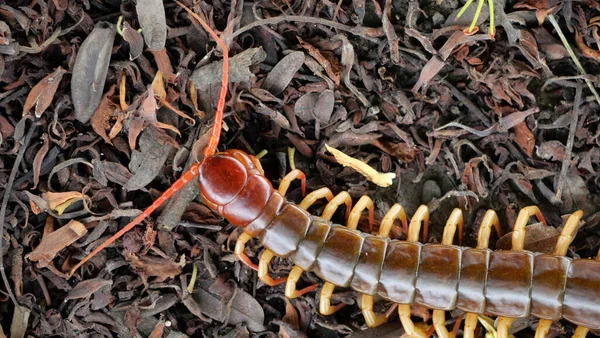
[
  {"x": 135, "y": 40},
  {"x": 42, "y": 93},
  {"x": 90, "y": 69},
  {"x": 282, "y": 74},
  {"x": 55, "y": 241},
  {"x": 59, "y": 201},
  {"x": 243, "y": 308},
  {"x": 39, "y": 157},
  {"x": 239, "y": 68},
  {"x": 87, "y": 287},
  {"x": 538, "y": 238},
  {"x": 331, "y": 68},
  {"x": 151, "y": 266},
  {"x": 20, "y": 321},
  {"x": 151, "y": 15},
  {"x": 105, "y": 111},
  {"x": 524, "y": 138}
]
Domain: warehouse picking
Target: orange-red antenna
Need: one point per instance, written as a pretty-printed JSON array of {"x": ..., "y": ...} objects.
[
  {"x": 192, "y": 172},
  {"x": 215, "y": 133}
]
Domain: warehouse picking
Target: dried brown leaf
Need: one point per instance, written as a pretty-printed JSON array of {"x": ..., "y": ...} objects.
[
  {"x": 57, "y": 240},
  {"x": 87, "y": 287},
  {"x": 151, "y": 266},
  {"x": 135, "y": 40},
  {"x": 524, "y": 138},
  {"x": 282, "y": 74},
  {"x": 331, "y": 69},
  {"x": 42, "y": 93},
  {"x": 100, "y": 120},
  {"x": 39, "y": 157}
]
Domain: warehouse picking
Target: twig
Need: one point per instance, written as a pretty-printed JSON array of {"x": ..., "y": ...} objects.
[
  {"x": 573, "y": 56},
  {"x": 9, "y": 185},
  {"x": 569, "y": 149},
  {"x": 362, "y": 31}
]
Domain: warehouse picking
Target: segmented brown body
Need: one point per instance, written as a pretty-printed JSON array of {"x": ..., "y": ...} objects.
[{"x": 503, "y": 283}]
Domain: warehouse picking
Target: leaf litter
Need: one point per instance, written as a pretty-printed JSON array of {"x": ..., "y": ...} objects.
[{"x": 114, "y": 112}]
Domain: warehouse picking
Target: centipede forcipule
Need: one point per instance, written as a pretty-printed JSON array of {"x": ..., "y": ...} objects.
[{"x": 505, "y": 283}]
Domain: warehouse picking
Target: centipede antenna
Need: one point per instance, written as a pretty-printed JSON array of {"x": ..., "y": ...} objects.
[
  {"x": 218, "y": 120},
  {"x": 192, "y": 172}
]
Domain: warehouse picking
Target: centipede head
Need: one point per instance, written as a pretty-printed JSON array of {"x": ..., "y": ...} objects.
[{"x": 231, "y": 183}]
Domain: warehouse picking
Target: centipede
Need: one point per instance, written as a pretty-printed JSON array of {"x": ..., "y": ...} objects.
[{"x": 508, "y": 284}]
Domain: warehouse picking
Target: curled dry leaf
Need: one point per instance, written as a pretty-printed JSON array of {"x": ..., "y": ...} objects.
[
  {"x": 42, "y": 93},
  {"x": 89, "y": 71},
  {"x": 135, "y": 40},
  {"x": 146, "y": 114},
  {"x": 59, "y": 201},
  {"x": 239, "y": 68},
  {"x": 381, "y": 179},
  {"x": 55, "y": 241},
  {"x": 100, "y": 120},
  {"x": 330, "y": 68},
  {"x": 151, "y": 266},
  {"x": 151, "y": 15},
  {"x": 524, "y": 138},
  {"x": 87, "y": 287},
  {"x": 282, "y": 74}
]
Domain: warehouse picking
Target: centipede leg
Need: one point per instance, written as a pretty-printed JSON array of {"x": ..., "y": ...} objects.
[
  {"x": 454, "y": 221},
  {"x": 490, "y": 219},
  {"x": 325, "y": 307},
  {"x": 263, "y": 269},
  {"x": 291, "y": 290},
  {"x": 421, "y": 216},
  {"x": 518, "y": 242},
  {"x": 363, "y": 203},
  {"x": 284, "y": 185},
  {"x": 240, "y": 245}
]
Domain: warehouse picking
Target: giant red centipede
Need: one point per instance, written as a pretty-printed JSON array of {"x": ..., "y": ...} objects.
[{"x": 508, "y": 284}]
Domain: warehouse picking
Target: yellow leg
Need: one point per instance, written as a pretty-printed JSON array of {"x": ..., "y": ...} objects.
[
  {"x": 339, "y": 199},
  {"x": 314, "y": 196},
  {"x": 581, "y": 332},
  {"x": 409, "y": 327},
  {"x": 371, "y": 319},
  {"x": 470, "y": 325},
  {"x": 284, "y": 185},
  {"x": 454, "y": 221},
  {"x": 363, "y": 203},
  {"x": 263, "y": 269},
  {"x": 490, "y": 219},
  {"x": 566, "y": 235},
  {"x": 240, "y": 245},
  {"x": 518, "y": 238},
  {"x": 395, "y": 212},
  {"x": 325, "y": 307},
  {"x": 421, "y": 216},
  {"x": 504, "y": 324}
]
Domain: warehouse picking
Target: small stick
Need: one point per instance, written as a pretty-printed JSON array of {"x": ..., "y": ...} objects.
[
  {"x": 9, "y": 185},
  {"x": 192, "y": 172}
]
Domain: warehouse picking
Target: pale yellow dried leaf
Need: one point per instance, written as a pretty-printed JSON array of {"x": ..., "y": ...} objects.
[
  {"x": 59, "y": 201},
  {"x": 381, "y": 179}
]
